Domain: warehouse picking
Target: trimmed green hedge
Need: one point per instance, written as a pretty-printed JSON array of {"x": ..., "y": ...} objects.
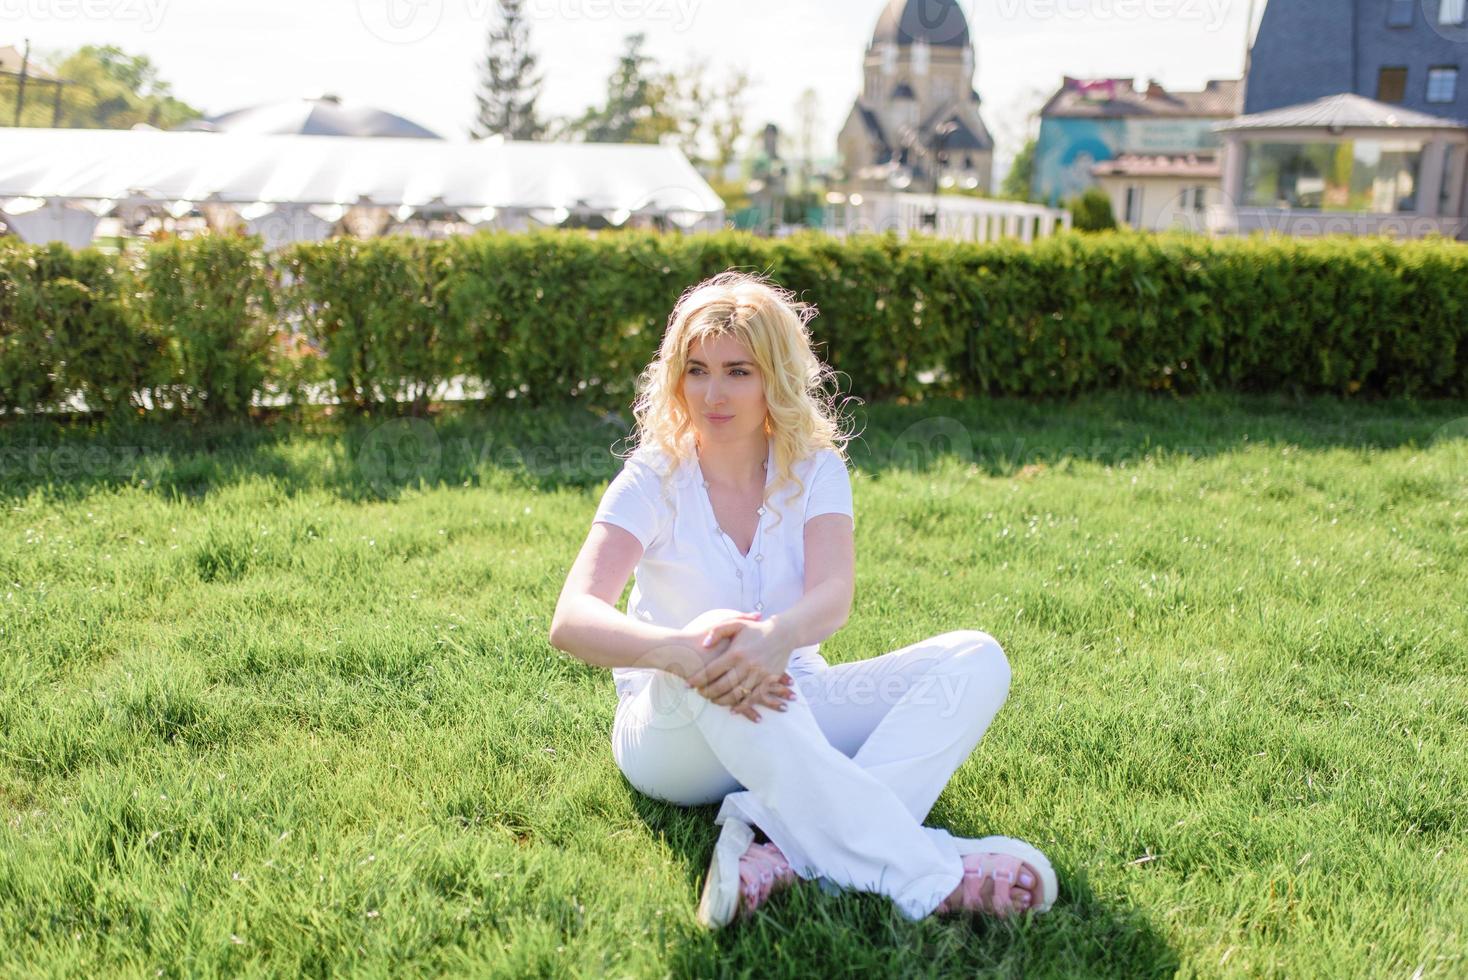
[
  {"x": 64, "y": 331},
  {"x": 212, "y": 299},
  {"x": 551, "y": 316}
]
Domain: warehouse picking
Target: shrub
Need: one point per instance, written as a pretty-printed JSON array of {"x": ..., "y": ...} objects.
[
  {"x": 554, "y": 315},
  {"x": 65, "y": 331},
  {"x": 1091, "y": 211},
  {"x": 211, "y": 298}
]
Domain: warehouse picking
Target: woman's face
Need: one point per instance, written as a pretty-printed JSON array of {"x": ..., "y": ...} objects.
[{"x": 724, "y": 391}]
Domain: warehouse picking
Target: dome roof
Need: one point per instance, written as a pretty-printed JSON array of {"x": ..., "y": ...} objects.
[
  {"x": 940, "y": 23},
  {"x": 323, "y": 116}
]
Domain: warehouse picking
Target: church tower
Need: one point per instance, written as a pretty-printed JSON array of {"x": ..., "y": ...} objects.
[{"x": 917, "y": 120}]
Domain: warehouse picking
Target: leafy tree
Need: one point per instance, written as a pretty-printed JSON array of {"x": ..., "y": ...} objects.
[
  {"x": 688, "y": 99},
  {"x": 807, "y": 129},
  {"x": 1020, "y": 179},
  {"x": 108, "y": 89},
  {"x": 709, "y": 116},
  {"x": 509, "y": 86},
  {"x": 727, "y": 126}
]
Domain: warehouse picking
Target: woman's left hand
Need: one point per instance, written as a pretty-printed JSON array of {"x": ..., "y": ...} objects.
[{"x": 756, "y": 655}]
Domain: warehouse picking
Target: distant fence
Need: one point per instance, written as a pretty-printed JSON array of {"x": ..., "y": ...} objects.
[{"x": 951, "y": 216}]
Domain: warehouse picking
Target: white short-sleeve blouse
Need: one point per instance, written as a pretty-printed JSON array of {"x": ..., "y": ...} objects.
[{"x": 689, "y": 565}]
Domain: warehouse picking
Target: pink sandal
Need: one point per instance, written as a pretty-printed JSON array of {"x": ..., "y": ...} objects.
[
  {"x": 1001, "y": 859},
  {"x": 763, "y": 870},
  {"x": 741, "y": 875}
]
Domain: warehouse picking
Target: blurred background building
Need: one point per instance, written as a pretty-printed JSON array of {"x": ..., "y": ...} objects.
[
  {"x": 1354, "y": 123},
  {"x": 916, "y": 124},
  {"x": 1092, "y": 121}
]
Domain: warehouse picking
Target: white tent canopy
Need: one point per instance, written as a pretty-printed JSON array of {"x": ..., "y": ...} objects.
[{"x": 258, "y": 175}]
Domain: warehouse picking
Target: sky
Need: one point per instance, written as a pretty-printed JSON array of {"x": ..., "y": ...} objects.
[{"x": 418, "y": 58}]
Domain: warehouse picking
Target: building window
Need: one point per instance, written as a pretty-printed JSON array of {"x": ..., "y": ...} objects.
[
  {"x": 1399, "y": 14},
  {"x": 1133, "y": 212},
  {"x": 1452, "y": 155},
  {"x": 1442, "y": 84},
  {"x": 1361, "y": 176},
  {"x": 1391, "y": 85},
  {"x": 1193, "y": 198},
  {"x": 1451, "y": 12}
]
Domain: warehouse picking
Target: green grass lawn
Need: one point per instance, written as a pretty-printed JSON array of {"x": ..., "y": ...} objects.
[{"x": 279, "y": 699}]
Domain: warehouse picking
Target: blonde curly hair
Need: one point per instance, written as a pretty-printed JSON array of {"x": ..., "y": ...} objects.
[{"x": 774, "y": 325}]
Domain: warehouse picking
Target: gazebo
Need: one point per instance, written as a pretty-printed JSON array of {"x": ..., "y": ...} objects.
[{"x": 1343, "y": 164}]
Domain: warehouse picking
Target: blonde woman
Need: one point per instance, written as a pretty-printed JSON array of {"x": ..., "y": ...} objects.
[{"x": 734, "y": 512}]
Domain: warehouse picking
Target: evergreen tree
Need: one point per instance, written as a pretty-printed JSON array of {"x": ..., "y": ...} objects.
[
  {"x": 508, "y": 84},
  {"x": 636, "y": 109}
]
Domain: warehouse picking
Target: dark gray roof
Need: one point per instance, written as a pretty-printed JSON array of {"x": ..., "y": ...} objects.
[
  {"x": 1108, "y": 98},
  {"x": 964, "y": 138},
  {"x": 952, "y": 111},
  {"x": 873, "y": 125},
  {"x": 326, "y": 116},
  {"x": 940, "y": 23},
  {"x": 1344, "y": 111}
]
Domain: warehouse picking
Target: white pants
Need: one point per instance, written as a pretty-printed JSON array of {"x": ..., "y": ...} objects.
[{"x": 840, "y": 781}]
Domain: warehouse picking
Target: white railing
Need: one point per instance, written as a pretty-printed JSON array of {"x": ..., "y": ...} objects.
[{"x": 972, "y": 219}]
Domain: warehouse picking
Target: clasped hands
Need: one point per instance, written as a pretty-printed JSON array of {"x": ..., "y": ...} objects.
[{"x": 744, "y": 665}]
